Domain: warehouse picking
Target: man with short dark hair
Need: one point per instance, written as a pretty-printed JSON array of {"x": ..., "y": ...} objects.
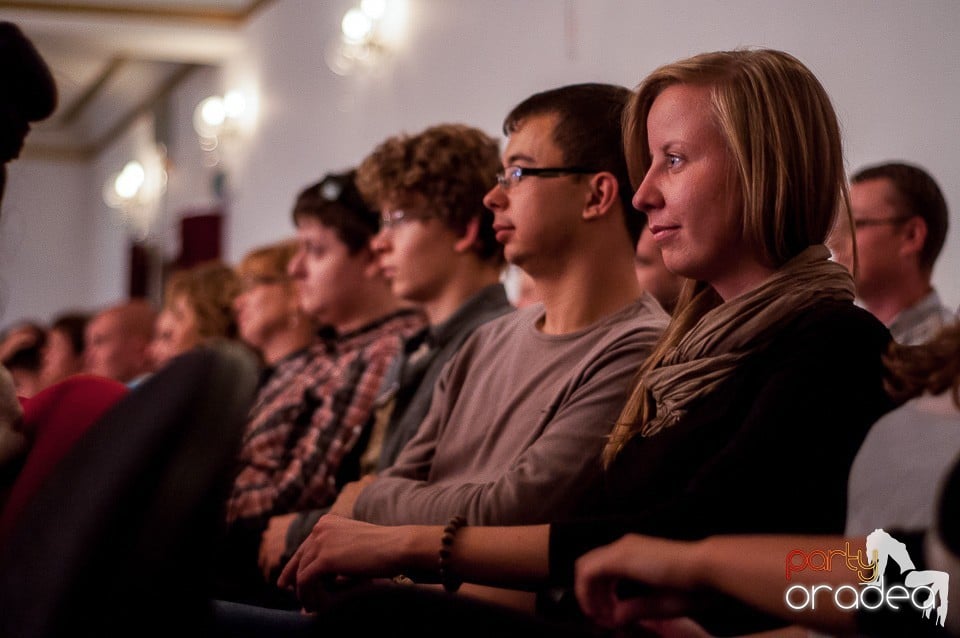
[
  {"x": 522, "y": 411},
  {"x": 900, "y": 220}
]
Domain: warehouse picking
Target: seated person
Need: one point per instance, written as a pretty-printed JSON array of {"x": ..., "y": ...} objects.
[
  {"x": 751, "y": 568},
  {"x": 198, "y": 305},
  {"x": 653, "y": 274},
  {"x": 694, "y": 452},
  {"x": 53, "y": 421},
  {"x": 909, "y": 450},
  {"x": 268, "y": 314},
  {"x": 900, "y": 226},
  {"x": 521, "y": 413},
  {"x": 436, "y": 246},
  {"x": 306, "y": 423},
  {"x": 63, "y": 352},
  {"x": 116, "y": 342},
  {"x": 27, "y": 93}
]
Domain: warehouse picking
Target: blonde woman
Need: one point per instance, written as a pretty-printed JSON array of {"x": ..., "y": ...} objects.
[
  {"x": 268, "y": 314},
  {"x": 198, "y": 305},
  {"x": 749, "y": 412}
]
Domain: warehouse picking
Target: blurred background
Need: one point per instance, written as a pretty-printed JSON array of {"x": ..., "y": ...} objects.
[{"x": 185, "y": 128}]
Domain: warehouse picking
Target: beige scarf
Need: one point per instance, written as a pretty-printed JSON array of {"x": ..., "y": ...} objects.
[{"x": 714, "y": 348}]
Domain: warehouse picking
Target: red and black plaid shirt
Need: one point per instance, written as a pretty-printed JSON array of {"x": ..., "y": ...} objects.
[{"x": 309, "y": 415}]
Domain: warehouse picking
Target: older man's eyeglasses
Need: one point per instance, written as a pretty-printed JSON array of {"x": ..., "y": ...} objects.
[{"x": 511, "y": 176}]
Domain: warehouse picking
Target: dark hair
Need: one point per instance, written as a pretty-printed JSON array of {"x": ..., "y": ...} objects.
[
  {"x": 27, "y": 92},
  {"x": 919, "y": 196},
  {"x": 336, "y": 203},
  {"x": 451, "y": 166},
  {"x": 588, "y": 132},
  {"x": 28, "y": 356},
  {"x": 73, "y": 325}
]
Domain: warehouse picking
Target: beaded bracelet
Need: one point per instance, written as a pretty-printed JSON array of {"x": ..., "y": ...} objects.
[{"x": 449, "y": 581}]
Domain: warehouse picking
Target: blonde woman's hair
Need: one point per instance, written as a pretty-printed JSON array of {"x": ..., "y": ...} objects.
[
  {"x": 210, "y": 289},
  {"x": 268, "y": 261},
  {"x": 785, "y": 146}
]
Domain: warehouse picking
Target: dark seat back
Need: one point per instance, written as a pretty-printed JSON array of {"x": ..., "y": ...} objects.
[{"x": 118, "y": 540}]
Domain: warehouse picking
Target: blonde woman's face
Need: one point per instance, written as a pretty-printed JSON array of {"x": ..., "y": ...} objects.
[
  {"x": 265, "y": 307},
  {"x": 177, "y": 330},
  {"x": 689, "y": 196}
]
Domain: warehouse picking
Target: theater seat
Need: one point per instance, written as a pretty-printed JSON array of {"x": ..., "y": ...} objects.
[
  {"x": 56, "y": 418},
  {"x": 117, "y": 540}
]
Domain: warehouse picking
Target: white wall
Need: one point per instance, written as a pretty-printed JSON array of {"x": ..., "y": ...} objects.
[
  {"x": 43, "y": 231},
  {"x": 890, "y": 67}
]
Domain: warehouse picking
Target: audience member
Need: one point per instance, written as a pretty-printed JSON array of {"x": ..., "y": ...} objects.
[
  {"x": 21, "y": 353},
  {"x": 907, "y": 451},
  {"x": 268, "y": 314},
  {"x": 653, "y": 274},
  {"x": 437, "y": 247},
  {"x": 540, "y": 387},
  {"x": 27, "y": 93},
  {"x": 569, "y": 228},
  {"x": 718, "y": 144},
  {"x": 299, "y": 443},
  {"x": 63, "y": 352},
  {"x": 900, "y": 485},
  {"x": 117, "y": 340},
  {"x": 198, "y": 306},
  {"x": 900, "y": 225}
]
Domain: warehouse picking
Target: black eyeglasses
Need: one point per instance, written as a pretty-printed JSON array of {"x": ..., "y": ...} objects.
[
  {"x": 883, "y": 221},
  {"x": 508, "y": 177}
]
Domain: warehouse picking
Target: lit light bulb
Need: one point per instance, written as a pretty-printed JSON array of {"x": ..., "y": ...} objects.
[
  {"x": 374, "y": 9},
  {"x": 356, "y": 25},
  {"x": 129, "y": 181},
  {"x": 213, "y": 111},
  {"x": 234, "y": 104}
]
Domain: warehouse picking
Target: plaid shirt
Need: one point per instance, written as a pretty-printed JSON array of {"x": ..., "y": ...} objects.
[{"x": 309, "y": 415}]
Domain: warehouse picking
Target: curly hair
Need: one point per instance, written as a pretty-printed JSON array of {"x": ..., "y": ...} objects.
[
  {"x": 932, "y": 367},
  {"x": 451, "y": 166},
  {"x": 209, "y": 289}
]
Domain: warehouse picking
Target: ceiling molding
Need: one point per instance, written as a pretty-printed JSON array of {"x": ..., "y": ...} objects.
[
  {"x": 72, "y": 111},
  {"x": 198, "y": 14},
  {"x": 92, "y": 150},
  {"x": 146, "y": 105}
]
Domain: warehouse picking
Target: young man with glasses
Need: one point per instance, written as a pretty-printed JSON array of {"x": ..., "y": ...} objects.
[
  {"x": 521, "y": 413},
  {"x": 900, "y": 220},
  {"x": 436, "y": 246}
]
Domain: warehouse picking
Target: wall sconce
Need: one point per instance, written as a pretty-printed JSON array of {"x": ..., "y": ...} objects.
[
  {"x": 135, "y": 192},
  {"x": 218, "y": 120},
  {"x": 360, "y": 44}
]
